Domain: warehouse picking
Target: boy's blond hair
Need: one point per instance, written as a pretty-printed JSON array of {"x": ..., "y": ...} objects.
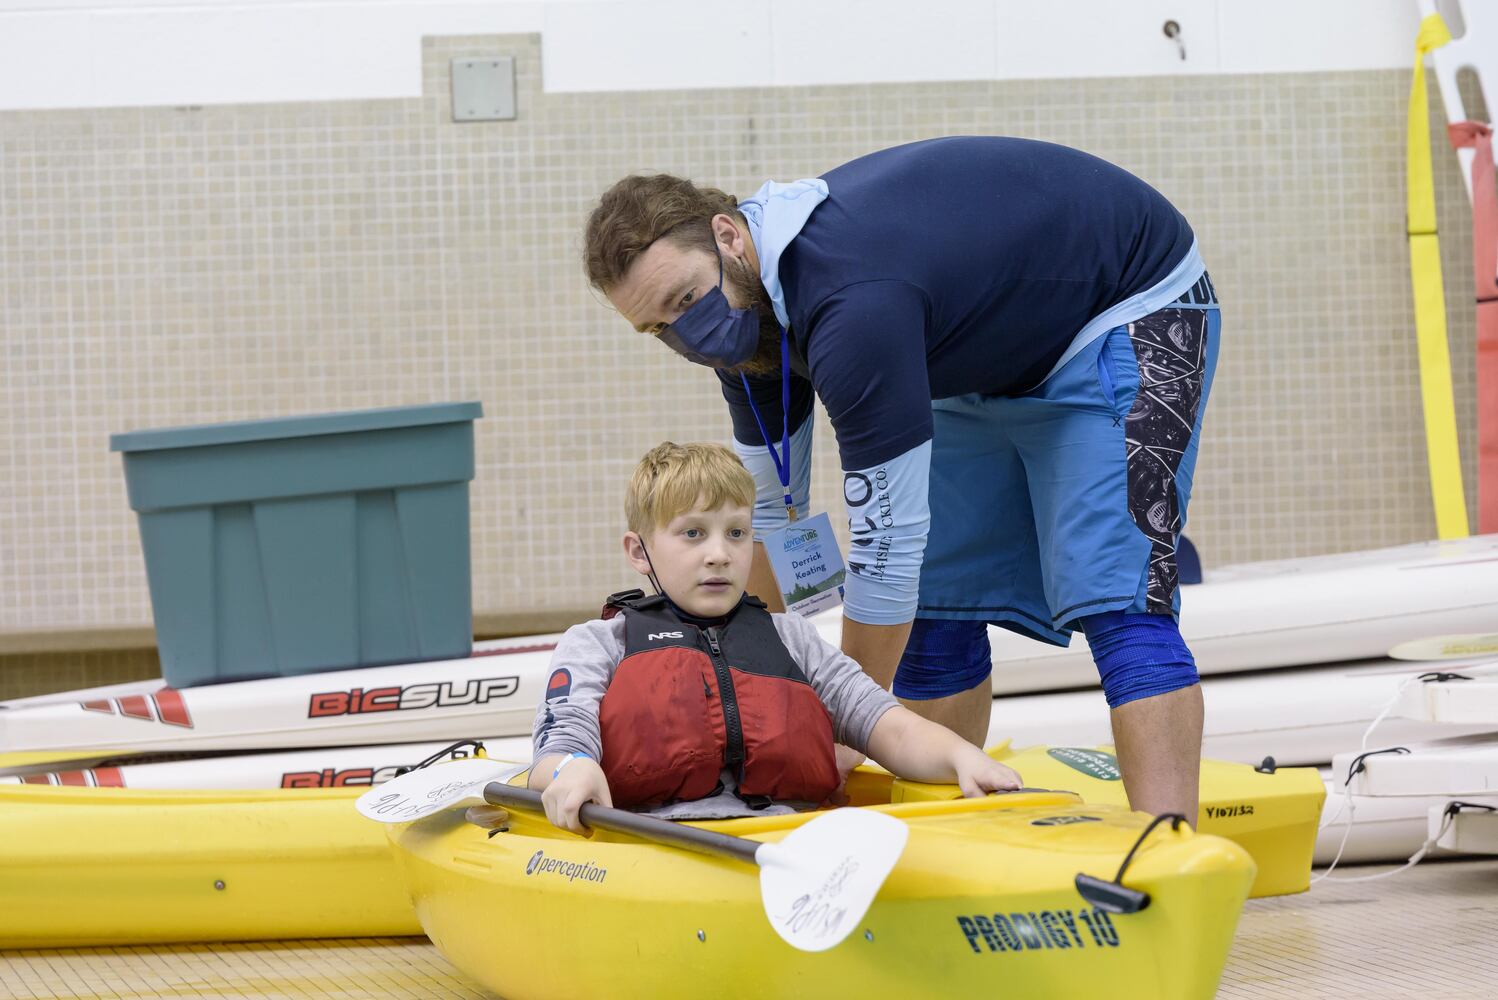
[{"x": 674, "y": 478}]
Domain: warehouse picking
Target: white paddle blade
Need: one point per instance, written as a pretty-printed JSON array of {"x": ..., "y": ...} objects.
[
  {"x": 1447, "y": 647},
  {"x": 431, "y": 789},
  {"x": 819, "y": 881}
]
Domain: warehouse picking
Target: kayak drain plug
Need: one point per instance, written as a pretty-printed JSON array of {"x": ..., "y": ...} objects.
[
  {"x": 702, "y": 935},
  {"x": 218, "y": 884}
]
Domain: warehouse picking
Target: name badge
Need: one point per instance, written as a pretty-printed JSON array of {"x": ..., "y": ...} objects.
[{"x": 807, "y": 565}]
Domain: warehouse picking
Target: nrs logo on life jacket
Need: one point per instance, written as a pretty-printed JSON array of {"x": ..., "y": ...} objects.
[
  {"x": 663, "y": 635},
  {"x": 444, "y": 694}
]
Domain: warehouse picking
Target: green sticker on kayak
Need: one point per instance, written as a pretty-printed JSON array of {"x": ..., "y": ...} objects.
[{"x": 1093, "y": 763}]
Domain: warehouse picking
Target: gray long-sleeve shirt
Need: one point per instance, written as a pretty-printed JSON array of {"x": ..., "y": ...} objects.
[{"x": 567, "y": 720}]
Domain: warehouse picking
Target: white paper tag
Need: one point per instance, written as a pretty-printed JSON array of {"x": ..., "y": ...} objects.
[
  {"x": 431, "y": 789},
  {"x": 808, "y": 567}
]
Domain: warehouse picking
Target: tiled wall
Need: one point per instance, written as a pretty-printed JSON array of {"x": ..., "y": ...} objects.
[
  {"x": 25, "y": 674},
  {"x": 176, "y": 266}
]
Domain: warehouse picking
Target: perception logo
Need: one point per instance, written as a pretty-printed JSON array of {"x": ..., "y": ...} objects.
[{"x": 540, "y": 864}]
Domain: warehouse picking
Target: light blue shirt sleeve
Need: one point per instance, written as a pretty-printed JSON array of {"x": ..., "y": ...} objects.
[
  {"x": 889, "y": 517},
  {"x": 769, "y": 499}
]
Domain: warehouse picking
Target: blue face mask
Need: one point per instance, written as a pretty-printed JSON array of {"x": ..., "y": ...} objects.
[{"x": 713, "y": 333}]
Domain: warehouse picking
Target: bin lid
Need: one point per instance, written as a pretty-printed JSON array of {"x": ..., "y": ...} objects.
[{"x": 347, "y": 422}]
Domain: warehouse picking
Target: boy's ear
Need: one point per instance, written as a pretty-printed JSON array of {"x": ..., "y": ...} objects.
[{"x": 634, "y": 551}]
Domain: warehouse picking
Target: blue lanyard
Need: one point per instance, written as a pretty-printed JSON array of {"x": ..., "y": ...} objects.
[{"x": 783, "y": 460}]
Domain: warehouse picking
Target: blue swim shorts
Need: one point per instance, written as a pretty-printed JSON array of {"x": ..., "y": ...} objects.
[{"x": 1067, "y": 501}]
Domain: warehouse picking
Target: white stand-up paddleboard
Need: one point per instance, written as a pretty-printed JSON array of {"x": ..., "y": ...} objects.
[
  {"x": 1300, "y": 611},
  {"x": 486, "y": 647},
  {"x": 1296, "y": 716},
  {"x": 325, "y": 767},
  {"x": 1456, "y": 695},
  {"x": 496, "y": 692},
  {"x": 1470, "y": 827},
  {"x": 1452, "y": 768},
  {"x": 1296, "y": 612},
  {"x": 1396, "y": 789},
  {"x": 1385, "y": 828}
]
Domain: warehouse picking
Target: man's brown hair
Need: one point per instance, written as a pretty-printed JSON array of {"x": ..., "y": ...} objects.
[{"x": 639, "y": 210}]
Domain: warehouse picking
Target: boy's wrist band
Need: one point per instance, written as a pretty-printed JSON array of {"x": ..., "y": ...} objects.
[{"x": 568, "y": 760}]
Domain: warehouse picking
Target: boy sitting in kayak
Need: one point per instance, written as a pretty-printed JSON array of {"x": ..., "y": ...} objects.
[{"x": 698, "y": 703}]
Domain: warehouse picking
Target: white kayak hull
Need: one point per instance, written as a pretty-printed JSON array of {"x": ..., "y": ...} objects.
[
  {"x": 1296, "y": 612},
  {"x": 1299, "y": 717},
  {"x": 327, "y": 767}
]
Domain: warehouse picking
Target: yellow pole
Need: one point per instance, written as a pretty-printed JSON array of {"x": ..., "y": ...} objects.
[{"x": 1430, "y": 301}]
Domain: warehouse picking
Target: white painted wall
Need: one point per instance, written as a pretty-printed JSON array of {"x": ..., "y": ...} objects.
[{"x": 110, "y": 53}]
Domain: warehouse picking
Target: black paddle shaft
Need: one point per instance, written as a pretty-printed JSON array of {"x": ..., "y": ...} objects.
[{"x": 620, "y": 821}]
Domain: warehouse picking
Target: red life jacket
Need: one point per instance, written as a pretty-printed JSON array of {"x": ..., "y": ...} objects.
[{"x": 686, "y": 702}]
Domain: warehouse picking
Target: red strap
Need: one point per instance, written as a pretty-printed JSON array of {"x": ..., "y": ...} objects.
[{"x": 1485, "y": 264}]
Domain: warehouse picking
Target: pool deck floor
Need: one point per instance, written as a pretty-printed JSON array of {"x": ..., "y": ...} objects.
[{"x": 1430, "y": 932}]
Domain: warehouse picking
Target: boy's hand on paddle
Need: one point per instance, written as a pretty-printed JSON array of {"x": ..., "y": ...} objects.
[
  {"x": 978, "y": 773},
  {"x": 580, "y": 782}
]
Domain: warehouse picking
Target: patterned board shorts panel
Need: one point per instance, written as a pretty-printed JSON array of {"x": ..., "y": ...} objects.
[{"x": 1170, "y": 347}]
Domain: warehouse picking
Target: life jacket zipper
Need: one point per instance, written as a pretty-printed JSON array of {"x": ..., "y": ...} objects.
[{"x": 732, "y": 725}]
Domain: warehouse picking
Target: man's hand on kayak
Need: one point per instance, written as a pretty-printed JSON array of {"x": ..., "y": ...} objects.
[{"x": 580, "y": 782}]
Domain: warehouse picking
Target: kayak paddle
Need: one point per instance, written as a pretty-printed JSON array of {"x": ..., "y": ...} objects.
[{"x": 816, "y": 883}]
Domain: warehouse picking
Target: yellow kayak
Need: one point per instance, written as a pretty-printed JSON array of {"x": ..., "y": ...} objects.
[
  {"x": 982, "y": 902},
  {"x": 1272, "y": 814},
  {"x": 96, "y": 866},
  {"x": 90, "y": 866}
]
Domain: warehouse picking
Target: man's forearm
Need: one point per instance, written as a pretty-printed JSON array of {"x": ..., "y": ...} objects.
[{"x": 877, "y": 648}]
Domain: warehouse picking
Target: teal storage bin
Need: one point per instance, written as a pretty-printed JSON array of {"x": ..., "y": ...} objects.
[{"x": 291, "y": 546}]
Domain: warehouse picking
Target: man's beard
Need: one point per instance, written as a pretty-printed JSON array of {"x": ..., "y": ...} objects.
[{"x": 766, "y": 357}]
